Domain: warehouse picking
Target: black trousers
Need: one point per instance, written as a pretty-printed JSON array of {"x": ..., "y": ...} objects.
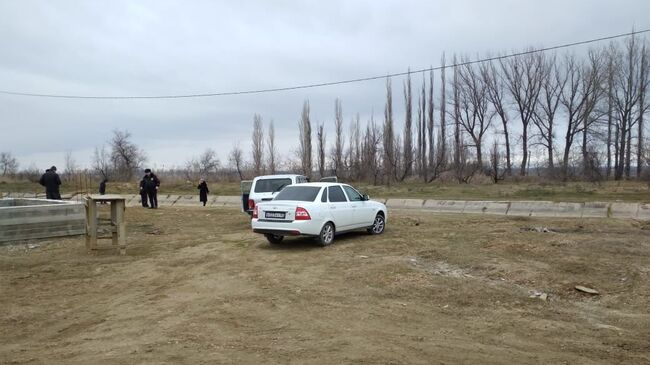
[
  {"x": 143, "y": 198},
  {"x": 153, "y": 198},
  {"x": 52, "y": 194}
]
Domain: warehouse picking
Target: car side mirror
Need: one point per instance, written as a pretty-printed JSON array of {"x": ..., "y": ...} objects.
[{"x": 366, "y": 197}]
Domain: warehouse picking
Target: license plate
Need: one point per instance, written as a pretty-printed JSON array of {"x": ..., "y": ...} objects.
[{"x": 275, "y": 215}]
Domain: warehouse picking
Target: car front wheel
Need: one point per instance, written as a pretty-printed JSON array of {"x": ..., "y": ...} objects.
[
  {"x": 326, "y": 235},
  {"x": 378, "y": 225},
  {"x": 273, "y": 238}
]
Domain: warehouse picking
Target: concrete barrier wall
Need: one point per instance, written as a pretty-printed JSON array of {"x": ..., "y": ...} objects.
[
  {"x": 445, "y": 206},
  {"x": 30, "y": 219},
  {"x": 405, "y": 203}
]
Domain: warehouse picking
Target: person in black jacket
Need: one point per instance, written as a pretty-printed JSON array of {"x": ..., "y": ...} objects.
[
  {"x": 50, "y": 179},
  {"x": 151, "y": 185},
  {"x": 143, "y": 194},
  {"x": 102, "y": 186},
  {"x": 203, "y": 191}
]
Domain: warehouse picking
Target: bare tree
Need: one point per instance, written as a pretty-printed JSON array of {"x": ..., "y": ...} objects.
[
  {"x": 553, "y": 83},
  {"x": 272, "y": 150},
  {"x": 458, "y": 146},
  {"x": 102, "y": 162},
  {"x": 236, "y": 160},
  {"x": 572, "y": 100},
  {"x": 388, "y": 135},
  {"x": 496, "y": 95},
  {"x": 126, "y": 157},
  {"x": 610, "y": 111},
  {"x": 206, "y": 165},
  {"x": 626, "y": 98},
  {"x": 337, "y": 157},
  {"x": 643, "y": 106},
  {"x": 320, "y": 138},
  {"x": 257, "y": 145},
  {"x": 408, "y": 130},
  {"x": 305, "y": 141},
  {"x": 442, "y": 134},
  {"x": 8, "y": 164},
  {"x": 592, "y": 88},
  {"x": 370, "y": 157},
  {"x": 70, "y": 168},
  {"x": 523, "y": 76},
  {"x": 475, "y": 117},
  {"x": 430, "y": 165}
]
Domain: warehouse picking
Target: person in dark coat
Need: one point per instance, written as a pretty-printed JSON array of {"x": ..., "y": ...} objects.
[
  {"x": 50, "y": 179},
  {"x": 102, "y": 186},
  {"x": 151, "y": 185},
  {"x": 143, "y": 194},
  {"x": 203, "y": 191}
]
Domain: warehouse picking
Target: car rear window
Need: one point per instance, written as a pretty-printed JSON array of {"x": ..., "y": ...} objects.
[
  {"x": 298, "y": 193},
  {"x": 271, "y": 185}
]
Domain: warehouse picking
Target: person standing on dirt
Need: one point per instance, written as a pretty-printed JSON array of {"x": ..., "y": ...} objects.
[
  {"x": 50, "y": 179},
  {"x": 203, "y": 191},
  {"x": 151, "y": 185},
  {"x": 143, "y": 195}
]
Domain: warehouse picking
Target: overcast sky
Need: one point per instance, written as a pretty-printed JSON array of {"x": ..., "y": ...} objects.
[{"x": 186, "y": 47}]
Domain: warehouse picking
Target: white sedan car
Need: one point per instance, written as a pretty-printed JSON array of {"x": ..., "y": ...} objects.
[{"x": 320, "y": 210}]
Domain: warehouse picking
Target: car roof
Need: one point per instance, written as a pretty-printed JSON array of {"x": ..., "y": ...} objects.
[
  {"x": 284, "y": 176},
  {"x": 319, "y": 184}
]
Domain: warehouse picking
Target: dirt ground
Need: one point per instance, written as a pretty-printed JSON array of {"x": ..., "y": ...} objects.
[{"x": 197, "y": 287}]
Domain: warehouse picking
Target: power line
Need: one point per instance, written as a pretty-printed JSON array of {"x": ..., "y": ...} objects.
[{"x": 332, "y": 83}]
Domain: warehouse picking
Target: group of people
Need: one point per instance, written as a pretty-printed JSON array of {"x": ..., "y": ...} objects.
[
  {"x": 149, "y": 189},
  {"x": 149, "y": 186}
]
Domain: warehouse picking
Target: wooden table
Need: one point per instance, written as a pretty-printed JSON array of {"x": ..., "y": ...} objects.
[{"x": 117, "y": 223}]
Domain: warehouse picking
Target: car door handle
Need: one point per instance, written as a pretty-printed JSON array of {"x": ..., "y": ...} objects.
[{"x": 332, "y": 207}]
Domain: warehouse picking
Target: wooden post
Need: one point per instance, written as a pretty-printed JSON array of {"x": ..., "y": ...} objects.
[
  {"x": 114, "y": 223},
  {"x": 120, "y": 207},
  {"x": 91, "y": 224}
]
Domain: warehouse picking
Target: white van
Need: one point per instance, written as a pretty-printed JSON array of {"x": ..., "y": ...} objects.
[{"x": 264, "y": 188}]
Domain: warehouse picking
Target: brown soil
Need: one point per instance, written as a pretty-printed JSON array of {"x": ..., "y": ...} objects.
[{"x": 197, "y": 287}]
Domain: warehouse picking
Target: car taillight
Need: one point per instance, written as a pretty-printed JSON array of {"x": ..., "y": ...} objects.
[
  {"x": 251, "y": 204},
  {"x": 255, "y": 212},
  {"x": 302, "y": 214}
]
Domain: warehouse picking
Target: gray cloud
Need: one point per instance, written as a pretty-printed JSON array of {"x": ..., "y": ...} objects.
[{"x": 164, "y": 47}]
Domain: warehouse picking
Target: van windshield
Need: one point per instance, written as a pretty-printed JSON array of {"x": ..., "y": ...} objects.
[
  {"x": 298, "y": 193},
  {"x": 271, "y": 185}
]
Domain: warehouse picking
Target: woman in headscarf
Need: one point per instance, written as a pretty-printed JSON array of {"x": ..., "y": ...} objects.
[{"x": 203, "y": 191}]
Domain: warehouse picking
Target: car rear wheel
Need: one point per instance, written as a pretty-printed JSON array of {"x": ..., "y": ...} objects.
[
  {"x": 378, "y": 225},
  {"x": 326, "y": 235},
  {"x": 274, "y": 238}
]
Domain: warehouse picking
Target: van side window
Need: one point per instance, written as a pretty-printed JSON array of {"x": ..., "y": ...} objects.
[
  {"x": 323, "y": 197},
  {"x": 336, "y": 194}
]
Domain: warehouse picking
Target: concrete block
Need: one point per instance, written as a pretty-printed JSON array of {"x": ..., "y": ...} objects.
[
  {"x": 623, "y": 210},
  {"x": 167, "y": 200},
  {"x": 486, "y": 207},
  {"x": 569, "y": 210},
  {"x": 522, "y": 208},
  {"x": 543, "y": 209},
  {"x": 445, "y": 206},
  {"x": 22, "y": 219},
  {"x": 28, "y": 195},
  {"x": 644, "y": 212},
  {"x": 405, "y": 203},
  {"x": 595, "y": 210}
]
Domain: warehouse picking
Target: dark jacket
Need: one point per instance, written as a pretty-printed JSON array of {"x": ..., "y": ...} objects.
[
  {"x": 102, "y": 187},
  {"x": 203, "y": 191},
  {"x": 150, "y": 182},
  {"x": 50, "y": 180}
]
